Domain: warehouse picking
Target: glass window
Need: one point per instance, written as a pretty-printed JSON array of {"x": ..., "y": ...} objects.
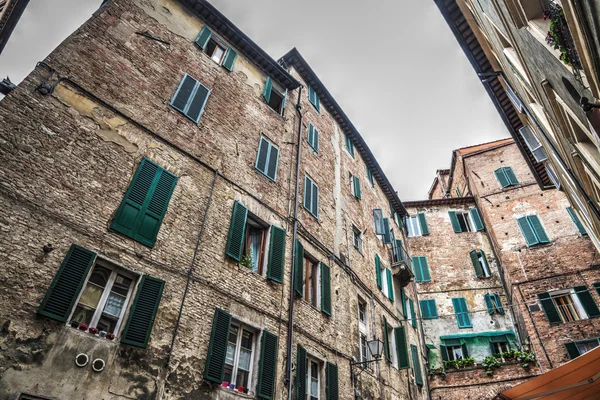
[
  {"x": 312, "y": 377},
  {"x": 364, "y": 355},
  {"x": 238, "y": 360},
  {"x": 586, "y": 345},
  {"x": 464, "y": 221},
  {"x": 215, "y": 50},
  {"x": 454, "y": 353},
  {"x": 357, "y": 239},
  {"x": 363, "y": 329},
  {"x": 312, "y": 282},
  {"x": 501, "y": 347},
  {"x": 484, "y": 264},
  {"x": 413, "y": 227},
  {"x": 568, "y": 307},
  {"x": 254, "y": 245}
]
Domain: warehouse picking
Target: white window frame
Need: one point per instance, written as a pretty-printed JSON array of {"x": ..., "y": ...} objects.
[
  {"x": 236, "y": 357},
  {"x": 363, "y": 329},
  {"x": 319, "y": 363},
  {"x": 485, "y": 267},
  {"x": 575, "y": 301},
  {"x": 357, "y": 239},
  {"x": 500, "y": 346},
  {"x": 413, "y": 227},
  {"x": 392, "y": 345},
  {"x": 466, "y": 215},
  {"x": 584, "y": 342},
  {"x": 449, "y": 352},
  {"x": 115, "y": 270}
]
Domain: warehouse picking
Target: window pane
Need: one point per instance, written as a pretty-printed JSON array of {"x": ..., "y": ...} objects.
[
  {"x": 121, "y": 285},
  {"x": 244, "y": 361},
  {"x": 107, "y": 324},
  {"x": 231, "y": 345},
  {"x": 83, "y": 315},
  {"x": 100, "y": 276},
  {"x": 114, "y": 304},
  {"x": 91, "y": 295},
  {"x": 228, "y": 373},
  {"x": 218, "y": 54}
]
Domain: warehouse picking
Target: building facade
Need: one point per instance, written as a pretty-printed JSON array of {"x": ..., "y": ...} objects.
[
  {"x": 10, "y": 13},
  {"x": 186, "y": 218}
]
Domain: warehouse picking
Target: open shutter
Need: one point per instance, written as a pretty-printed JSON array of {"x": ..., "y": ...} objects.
[
  {"x": 465, "y": 350},
  {"x": 454, "y": 221},
  {"x": 549, "y": 308},
  {"x": 262, "y": 155},
  {"x": 237, "y": 228},
  {"x": 401, "y": 347},
  {"x": 416, "y": 364},
  {"x": 476, "y": 218},
  {"x": 267, "y": 367},
  {"x": 424, "y": 309},
  {"x": 387, "y": 238},
  {"x": 423, "y": 223},
  {"x": 527, "y": 231},
  {"x": 217, "y": 348},
  {"x": 378, "y": 271},
  {"x": 370, "y": 177},
  {"x": 276, "y": 265},
  {"x": 444, "y": 352},
  {"x": 268, "y": 89},
  {"x": 273, "y": 162},
  {"x": 67, "y": 283},
  {"x": 203, "y": 37},
  {"x": 283, "y": 103},
  {"x": 143, "y": 312},
  {"x": 299, "y": 272},
  {"x": 386, "y": 343},
  {"x": 572, "y": 350},
  {"x": 390, "y": 284},
  {"x": 229, "y": 60},
  {"x": 576, "y": 221},
  {"x": 510, "y": 175},
  {"x": 413, "y": 314},
  {"x": 498, "y": 303},
  {"x": 425, "y": 269},
  {"x": 488, "y": 303},
  {"x": 416, "y": 261},
  {"x": 301, "y": 370},
  {"x": 331, "y": 388},
  {"x": 183, "y": 93},
  {"x": 325, "y": 289},
  {"x": 585, "y": 297},
  {"x": 502, "y": 178},
  {"x": 476, "y": 264},
  {"x": 537, "y": 227},
  {"x": 357, "y": 192},
  {"x": 403, "y": 300},
  {"x": 378, "y": 221}
]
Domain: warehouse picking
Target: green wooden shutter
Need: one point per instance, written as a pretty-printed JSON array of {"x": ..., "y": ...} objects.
[
  {"x": 273, "y": 162},
  {"x": 572, "y": 350},
  {"x": 262, "y": 156},
  {"x": 267, "y": 367},
  {"x": 378, "y": 221},
  {"x": 387, "y": 237},
  {"x": 474, "y": 254},
  {"x": 301, "y": 371},
  {"x": 143, "y": 312},
  {"x": 413, "y": 314},
  {"x": 444, "y": 352},
  {"x": 268, "y": 89},
  {"x": 386, "y": 343},
  {"x": 229, "y": 60},
  {"x": 537, "y": 227},
  {"x": 203, "y": 37},
  {"x": 370, "y": 177},
  {"x": 549, "y": 308},
  {"x": 331, "y": 388},
  {"x": 527, "y": 231},
  {"x": 585, "y": 297},
  {"x": 424, "y": 309},
  {"x": 357, "y": 192},
  {"x": 576, "y": 221},
  {"x": 299, "y": 269},
  {"x": 510, "y": 175},
  {"x": 462, "y": 312},
  {"x": 423, "y": 223},
  {"x": 416, "y": 364},
  {"x": 488, "y": 303},
  {"x": 454, "y": 221},
  {"x": 416, "y": 261},
  {"x": 390, "y": 284},
  {"x": 145, "y": 203},
  {"x": 237, "y": 230},
  {"x": 378, "y": 271},
  {"x": 401, "y": 347},
  {"x": 183, "y": 94},
  {"x": 325, "y": 289},
  {"x": 502, "y": 178},
  {"x": 498, "y": 303},
  {"x": 67, "y": 283},
  {"x": 476, "y": 219},
  {"x": 465, "y": 350},
  {"x": 597, "y": 287},
  {"x": 403, "y": 299},
  {"x": 425, "y": 269},
  {"x": 217, "y": 348},
  {"x": 197, "y": 102},
  {"x": 276, "y": 266}
]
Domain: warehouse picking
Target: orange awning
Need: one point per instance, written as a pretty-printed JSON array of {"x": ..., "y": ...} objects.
[{"x": 579, "y": 379}]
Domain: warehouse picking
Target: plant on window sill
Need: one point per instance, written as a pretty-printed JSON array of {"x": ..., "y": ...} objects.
[
  {"x": 490, "y": 363},
  {"x": 438, "y": 371},
  {"x": 247, "y": 261},
  {"x": 559, "y": 36},
  {"x": 458, "y": 364}
]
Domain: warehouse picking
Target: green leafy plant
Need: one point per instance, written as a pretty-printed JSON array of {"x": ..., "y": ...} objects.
[
  {"x": 247, "y": 260},
  {"x": 490, "y": 363},
  {"x": 559, "y": 37},
  {"x": 437, "y": 371},
  {"x": 526, "y": 358},
  {"x": 457, "y": 364}
]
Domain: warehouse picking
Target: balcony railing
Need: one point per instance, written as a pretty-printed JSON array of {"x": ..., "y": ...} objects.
[
  {"x": 401, "y": 264},
  {"x": 559, "y": 36}
]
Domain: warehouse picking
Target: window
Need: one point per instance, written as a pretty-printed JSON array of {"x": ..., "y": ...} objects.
[
  {"x": 576, "y": 221},
  {"x": 370, "y": 177},
  {"x": 275, "y": 96},
  {"x": 568, "y": 305},
  {"x": 454, "y": 352},
  {"x": 190, "y": 98},
  {"x": 413, "y": 314},
  {"x": 461, "y": 221},
  {"x": 362, "y": 312},
  {"x": 312, "y": 282},
  {"x": 416, "y": 364},
  {"x": 499, "y": 347},
  {"x": 378, "y": 221},
  {"x": 388, "y": 284},
  {"x": 313, "y": 137},
  {"x": 479, "y": 260},
  {"x": 239, "y": 359},
  {"x": 349, "y": 145},
  {"x": 428, "y": 309},
  {"x": 357, "y": 239},
  {"x": 567, "y": 308},
  {"x": 216, "y": 49},
  {"x": 267, "y": 159},
  {"x": 311, "y": 196},
  {"x": 101, "y": 293},
  {"x": 364, "y": 352},
  {"x": 575, "y": 349},
  {"x": 493, "y": 303},
  {"x": 416, "y": 225},
  {"x": 355, "y": 186},
  {"x": 316, "y": 287},
  {"x": 363, "y": 329},
  {"x": 463, "y": 317},
  {"x": 506, "y": 177},
  {"x": 314, "y": 99},
  {"x": 421, "y": 269},
  {"x": 312, "y": 379},
  {"x": 532, "y": 230},
  {"x": 533, "y": 143},
  {"x": 552, "y": 174},
  {"x": 247, "y": 238}
]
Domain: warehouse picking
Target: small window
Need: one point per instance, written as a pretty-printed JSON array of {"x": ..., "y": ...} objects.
[
  {"x": 313, "y": 98},
  {"x": 253, "y": 254},
  {"x": 428, "y": 309},
  {"x": 349, "y": 145},
  {"x": 362, "y": 312},
  {"x": 586, "y": 345},
  {"x": 370, "y": 177},
  {"x": 533, "y": 144},
  {"x": 378, "y": 221},
  {"x": 463, "y": 317},
  {"x": 239, "y": 358},
  {"x": 216, "y": 49},
  {"x": 267, "y": 159},
  {"x": 479, "y": 260},
  {"x": 357, "y": 239},
  {"x": 311, "y": 196},
  {"x": 506, "y": 177},
  {"x": 552, "y": 174},
  {"x": 312, "y": 284},
  {"x": 532, "y": 230},
  {"x": 464, "y": 222},
  {"x": 363, "y": 329},
  {"x": 454, "y": 353},
  {"x": 364, "y": 352},
  {"x": 355, "y": 186},
  {"x": 313, "y": 137},
  {"x": 412, "y": 226},
  {"x": 392, "y": 344},
  {"x": 313, "y": 381},
  {"x": 190, "y": 98},
  {"x": 500, "y": 347},
  {"x": 275, "y": 96}
]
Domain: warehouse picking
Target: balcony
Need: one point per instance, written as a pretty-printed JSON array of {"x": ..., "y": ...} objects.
[{"x": 401, "y": 264}]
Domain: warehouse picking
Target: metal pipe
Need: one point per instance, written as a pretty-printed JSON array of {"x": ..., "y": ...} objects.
[
  {"x": 535, "y": 328},
  {"x": 290, "y": 325}
]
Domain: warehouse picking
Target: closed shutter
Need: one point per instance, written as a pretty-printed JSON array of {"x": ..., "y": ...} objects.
[
  {"x": 325, "y": 289},
  {"x": 301, "y": 371},
  {"x": 476, "y": 218},
  {"x": 67, "y": 283},
  {"x": 370, "y": 177},
  {"x": 378, "y": 221},
  {"x": 217, "y": 348},
  {"x": 416, "y": 262},
  {"x": 311, "y": 197},
  {"x": 356, "y": 185},
  {"x": 537, "y": 227},
  {"x": 502, "y": 178},
  {"x": 401, "y": 347},
  {"x": 423, "y": 224},
  {"x": 145, "y": 203},
  {"x": 465, "y": 350},
  {"x": 572, "y": 350},
  {"x": 403, "y": 299},
  {"x": 203, "y": 37},
  {"x": 378, "y": 271},
  {"x": 549, "y": 308},
  {"x": 416, "y": 364},
  {"x": 498, "y": 303},
  {"x": 237, "y": 230},
  {"x": 462, "y": 312},
  {"x": 313, "y": 98},
  {"x": 474, "y": 254},
  {"x": 267, "y": 159},
  {"x": 190, "y": 98},
  {"x": 386, "y": 343},
  {"x": 585, "y": 297},
  {"x": 527, "y": 231},
  {"x": 488, "y": 303},
  {"x": 276, "y": 264},
  {"x": 413, "y": 314},
  {"x": 268, "y": 89},
  {"x": 267, "y": 367},
  {"x": 454, "y": 221},
  {"x": 299, "y": 272},
  {"x": 510, "y": 175},
  {"x": 143, "y": 312},
  {"x": 390, "y": 284},
  {"x": 331, "y": 388},
  {"x": 425, "y": 269},
  {"x": 313, "y": 137},
  {"x": 229, "y": 60},
  {"x": 387, "y": 237},
  {"x": 196, "y": 105},
  {"x": 428, "y": 309},
  {"x": 576, "y": 221}
]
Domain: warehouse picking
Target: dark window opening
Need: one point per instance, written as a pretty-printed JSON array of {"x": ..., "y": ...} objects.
[
  {"x": 215, "y": 51},
  {"x": 276, "y": 101},
  {"x": 254, "y": 245}
]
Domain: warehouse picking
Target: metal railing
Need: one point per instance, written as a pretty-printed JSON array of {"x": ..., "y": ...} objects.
[{"x": 400, "y": 255}]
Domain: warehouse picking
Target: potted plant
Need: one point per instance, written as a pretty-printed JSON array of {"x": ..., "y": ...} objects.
[
  {"x": 240, "y": 389},
  {"x": 110, "y": 336},
  {"x": 490, "y": 363},
  {"x": 74, "y": 324},
  {"x": 93, "y": 331},
  {"x": 247, "y": 260},
  {"x": 83, "y": 327}
]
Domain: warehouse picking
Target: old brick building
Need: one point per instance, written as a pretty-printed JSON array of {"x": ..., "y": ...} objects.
[{"x": 186, "y": 218}]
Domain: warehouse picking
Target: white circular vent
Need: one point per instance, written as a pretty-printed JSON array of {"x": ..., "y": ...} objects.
[
  {"x": 98, "y": 365},
  {"x": 81, "y": 360}
]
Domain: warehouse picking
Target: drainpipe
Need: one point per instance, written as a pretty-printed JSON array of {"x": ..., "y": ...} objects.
[
  {"x": 290, "y": 325},
  {"x": 421, "y": 334}
]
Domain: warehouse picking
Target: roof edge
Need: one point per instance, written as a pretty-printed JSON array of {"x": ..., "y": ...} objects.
[{"x": 440, "y": 202}]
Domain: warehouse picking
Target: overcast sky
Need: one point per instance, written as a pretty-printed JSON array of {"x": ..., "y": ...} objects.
[{"x": 393, "y": 66}]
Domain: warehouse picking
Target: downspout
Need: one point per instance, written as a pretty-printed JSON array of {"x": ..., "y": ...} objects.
[
  {"x": 537, "y": 332},
  {"x": 422, "y": 340},
  {"x": 290, "y": 325}
]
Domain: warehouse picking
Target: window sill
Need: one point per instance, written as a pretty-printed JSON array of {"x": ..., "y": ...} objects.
[
  {"x": 265, "y": 175},
  {"x": 226, "y": 393},
  {"x": 75, "y": 331}
]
